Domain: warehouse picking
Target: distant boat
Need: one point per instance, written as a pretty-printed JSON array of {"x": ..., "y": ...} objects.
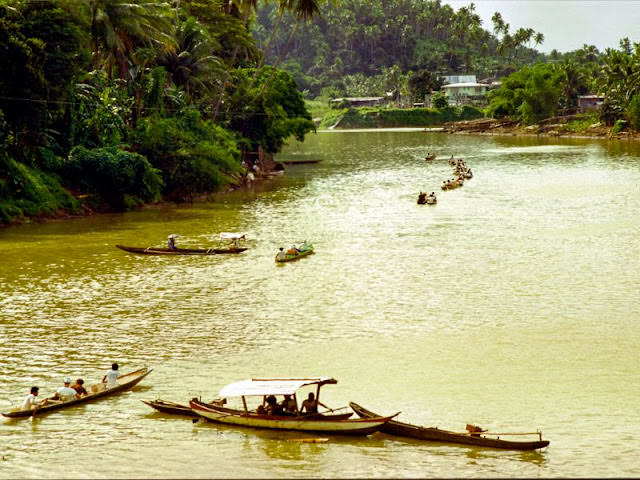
[
  {"x": 125, "y": 382},
  {"x": 305, "y": 249},
  {"x": 301, "y": 161},
  {"x": 180, "y": 251},
  {"x": 474, "y": 437}
]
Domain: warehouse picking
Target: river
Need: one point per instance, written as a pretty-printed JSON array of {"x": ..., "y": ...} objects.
[{"x": 512, "y": 304}]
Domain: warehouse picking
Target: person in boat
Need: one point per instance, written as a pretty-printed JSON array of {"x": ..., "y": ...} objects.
[
  {"x": 281, "y": 255},
  {"x": 421, "y": 198},
  {"x": 310, "y": 405},
  {"x": 31, "y": 401},
  {"x": 111, "y": 378},
  {"x": 78, "y": 386},
  {"x": 289, "y": 405},
  {"x": 293, "y": 250},
  {"x": 272, "y": 407},
  {"x": 171, "y": 243},
  {"x": 65, "y": 393}
]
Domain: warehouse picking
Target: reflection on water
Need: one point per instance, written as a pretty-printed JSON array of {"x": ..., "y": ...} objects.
[{"x": 511, "y": 304}]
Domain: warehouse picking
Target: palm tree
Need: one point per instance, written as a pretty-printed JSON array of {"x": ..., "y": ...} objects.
[
  {"x": 304, "y": 10},
  {"x": 538, "y": 39},
  {"x": 191, "y": 65},
  {"x": 118, "y": 26},
  {"x": 245, "y": 7},
  {"x": 283, "y": 5}
]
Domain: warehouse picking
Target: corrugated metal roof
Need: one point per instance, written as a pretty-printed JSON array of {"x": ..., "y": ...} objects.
[{"x": 271, "y": 386}]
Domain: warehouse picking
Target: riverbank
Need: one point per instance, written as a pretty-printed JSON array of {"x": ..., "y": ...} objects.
[{"x": 568, "y": 126}]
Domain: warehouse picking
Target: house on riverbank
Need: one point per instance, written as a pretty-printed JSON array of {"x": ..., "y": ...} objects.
[{"x": 465, "y": 93}]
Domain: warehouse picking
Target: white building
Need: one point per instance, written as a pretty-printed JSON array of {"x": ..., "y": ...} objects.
[{"x": 465, "y": 92}]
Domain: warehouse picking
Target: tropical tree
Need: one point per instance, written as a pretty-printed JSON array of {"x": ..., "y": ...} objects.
[
  {"x": 191, "y": 64},
  {"x": 119, "y": 26},
  {"x": 304, "y": 11}
]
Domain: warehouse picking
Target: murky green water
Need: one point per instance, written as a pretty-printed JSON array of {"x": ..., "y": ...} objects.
[{"x": 512, "y": 304}]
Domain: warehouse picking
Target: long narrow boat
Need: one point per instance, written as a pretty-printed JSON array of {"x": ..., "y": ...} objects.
[
  {"x": 125, "y": 382},
  {"x": 180, "y": 251},
  {"x": 171, "y": 408},
  {"x": 337, "y": 424},
  {"x": 401, "y": 429},
  {"x": 305, "y": 249}
]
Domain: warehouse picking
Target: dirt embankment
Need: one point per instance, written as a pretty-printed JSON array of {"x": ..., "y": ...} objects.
[{"x": 550, "y": 127}]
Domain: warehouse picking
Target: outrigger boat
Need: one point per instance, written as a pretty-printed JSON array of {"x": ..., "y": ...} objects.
[
  {"x": 475, "y": 435},
  {"x": 98, "y": 390},
  {"x": 305, "y": 249},
  {"x": 233, "y": 237},
  {"x": 327, "y": 423}
]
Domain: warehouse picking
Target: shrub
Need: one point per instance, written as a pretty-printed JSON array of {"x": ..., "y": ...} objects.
[
  {"x": 113, "y": 175},
  {"x": 633, "y": 112},
  {"x": 193, "y": 155}
]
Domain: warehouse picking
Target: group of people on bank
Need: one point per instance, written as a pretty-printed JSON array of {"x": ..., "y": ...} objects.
[
  {"x": 289, "y": 407},
  {"x": 69, "y": 390}
]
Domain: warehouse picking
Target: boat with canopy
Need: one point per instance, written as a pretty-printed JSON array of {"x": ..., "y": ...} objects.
[{"x": 249, "y": 416}]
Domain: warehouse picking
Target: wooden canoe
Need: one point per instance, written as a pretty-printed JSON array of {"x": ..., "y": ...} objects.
[
  {"x": 125, "y": 382},
  {"x": 288, "y": 257},
  {"x": 171, "y": 408},
  {"x": 401, "y": 429},
  {"x": 180, "y": 251},
  {"x": 327, "y": 424}
]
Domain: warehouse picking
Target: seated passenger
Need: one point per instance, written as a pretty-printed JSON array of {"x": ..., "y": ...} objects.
[
  {"x": 281, "y": 255},
  {"x": 79, "y": 388},
  {"x": 272, "y": 406},
  {"x": 31, "y": 401},
  {"x": 289, "y": 405},
  {"x": 310, "y": 405},
  {"x": 65, "y": 393}
]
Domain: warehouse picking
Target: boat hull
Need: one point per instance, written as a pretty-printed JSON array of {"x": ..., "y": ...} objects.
[
  {"x": 290, "y": 257},
  {"x": 407, "y": 430},
  {"x": 125, "y": 382},
  {"x": 170, "y": 408},
  {"x": 180, "y": 251},
  {"x": 318, "y": 424}
]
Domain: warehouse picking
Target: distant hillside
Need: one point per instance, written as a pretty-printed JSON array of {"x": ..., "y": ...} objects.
[{"x": 355, "y": 39}]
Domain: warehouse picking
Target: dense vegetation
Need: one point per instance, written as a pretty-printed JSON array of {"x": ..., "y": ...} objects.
[
  {"x": 358, "y": 47},
  {"x": 548, "y": 89},
  {"x": 107, "y": 104}
]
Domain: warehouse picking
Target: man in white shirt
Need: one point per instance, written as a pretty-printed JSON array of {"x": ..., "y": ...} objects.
[
  {"x": 111, "y": 378},
  {"x": 31, "y": 402},
  {"x": 65, "y": 393}
]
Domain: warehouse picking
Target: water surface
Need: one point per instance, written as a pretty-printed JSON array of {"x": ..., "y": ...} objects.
[{"x": 512, "y": 304}]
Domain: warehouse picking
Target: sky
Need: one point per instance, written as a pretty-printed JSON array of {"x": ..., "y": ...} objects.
[{"x": 566, "y": 24}]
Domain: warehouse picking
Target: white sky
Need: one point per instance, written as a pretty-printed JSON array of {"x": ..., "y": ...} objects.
[{"x": 566, "y": 24}]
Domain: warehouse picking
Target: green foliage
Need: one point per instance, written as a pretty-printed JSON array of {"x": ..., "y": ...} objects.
[
  {"x": 530, "y": 94},
  {"x": 633, "y": 112},
  {"x": 582, "y": 122},
  {"x": 101, "y": 112},
  {"x": 372, "y": 117},
  {"x": 194, "y": 155},
  {"x": 113, "y": 175},
  {"x": 268, "y": 119},
  {"x": 619, "y": 126},
  {"x": 439, "y": 100},
  {"x": 27, "y": 192},
  {"x": 355, "y": 37}
]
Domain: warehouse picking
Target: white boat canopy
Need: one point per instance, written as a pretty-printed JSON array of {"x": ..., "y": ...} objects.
[
  {"x": 231, "y": 235},
  {"x": 271, "y": 386}
]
